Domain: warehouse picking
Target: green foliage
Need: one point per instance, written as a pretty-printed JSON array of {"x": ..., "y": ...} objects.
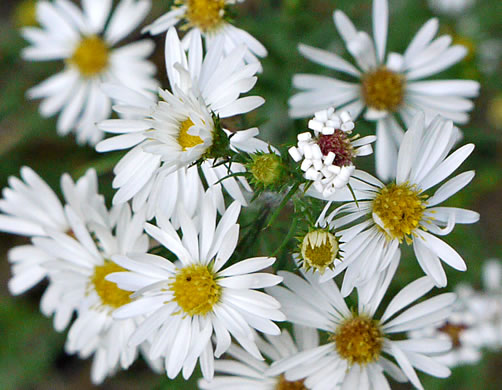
[{"x": 30, "y": 347}]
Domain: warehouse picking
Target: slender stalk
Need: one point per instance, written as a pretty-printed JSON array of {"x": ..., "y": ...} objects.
[
  {"x": 289, "y": 236},
  {"x": 283, "y": 203}
]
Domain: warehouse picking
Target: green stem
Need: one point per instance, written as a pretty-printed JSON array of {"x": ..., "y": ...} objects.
[
  {"x": 283, "y": 203},
  {"x": 288, "y": 237}
]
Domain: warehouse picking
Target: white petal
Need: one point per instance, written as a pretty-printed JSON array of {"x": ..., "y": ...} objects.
[
  {"x": 450, "y": 188},
  {"x": 407, "y": 295},
  {"x": 446, "y": 168},
  {"x": 328, "y": 59},
  {"x": 380, "y": 25},
  {"x": 443, "y": 250}
]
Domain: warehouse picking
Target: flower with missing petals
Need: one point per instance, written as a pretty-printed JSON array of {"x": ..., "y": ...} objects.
[
  {"x": 386, "y": 84},
  {"x": 328, "y": 156},
  {"x": 84, "y": 39}
]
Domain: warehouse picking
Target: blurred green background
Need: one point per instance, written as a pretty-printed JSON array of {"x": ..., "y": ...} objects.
[{"x": 31, "y": 352}]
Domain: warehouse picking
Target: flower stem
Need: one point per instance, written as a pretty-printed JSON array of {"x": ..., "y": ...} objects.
[{"x": 283, "y": 203}]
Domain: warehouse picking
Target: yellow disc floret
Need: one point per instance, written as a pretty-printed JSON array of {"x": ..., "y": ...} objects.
[
  {"x": 108, "y": 292},
  {"x": 319, "y": 250},
  {"x": 186, "y": 140},
  {"x": 206, "y": 15},
  {"x": 195, "y": 289},
  {"x": 383, "y": 89},
  {"x": 358, "y": 340},
  {"x": 399, "y": 208},
  {"x": 91, "y": 56},
  {"x": 283, "y": 384}
]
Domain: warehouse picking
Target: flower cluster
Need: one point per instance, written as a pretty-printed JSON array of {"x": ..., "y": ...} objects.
[{"x": 167, "y": 272}]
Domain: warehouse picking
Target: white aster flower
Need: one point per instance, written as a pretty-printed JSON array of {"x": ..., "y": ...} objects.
[
  {"x": 30, "y": 208},
  {"x": 77, "y": 277},
  {"x": 209, "y": 18},
  {"x": 327, "y": 157},
  {"x": 182, "y": 127},
  {"x": 84, "y": 40},
  {"x": 463, "y": 330},
  {"x": 450, "y": 7},
  {"x": 476, "y": 321},
  {"x": 401, "y": 211},
  {"x": 386, "y": 86},
  {"x": 194, "y": 298},
  {"x": 245, "y": 372},
  {"x": 359, "y": 343},
  {"x": 486, "y": 304}
]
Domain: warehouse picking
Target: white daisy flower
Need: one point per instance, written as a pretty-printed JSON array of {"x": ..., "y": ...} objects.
[
  {"x": 386, "y": 86},
  {"x": 359, "y": 343},
  {"x": 476, "y": 320},
  {"x": 77, "y": 273},
  {"x": 327, "y": 157},
  {"x": 210, "y": 19},
  {"x": 401, "y": 211},
  {"x": 461, "y": 328},
  {"x": 84, "y": 40},
  {"x": 182, "y": 127},
  {"x": 244, "y": 372},
  {"x": 29, "y": 207},
  {"x": 486, "y": 305},
  {"x": 450, "y": 7},
  {"x": 194, "y": 298}
]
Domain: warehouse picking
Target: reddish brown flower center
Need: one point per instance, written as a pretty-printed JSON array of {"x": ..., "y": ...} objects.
[{"x": 338, "y": 143}]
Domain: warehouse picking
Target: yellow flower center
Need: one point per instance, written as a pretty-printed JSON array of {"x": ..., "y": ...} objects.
[
  {"x": 319, "y": 250},
  {"x": 283, "y": 384},
  {"x": 400, "y": 209},
  {"x": 358, "y": 340},
  {"x": 91, "y": 56},
  {"x": 206, "y": 15},
  {"x": 195, "y": 289},
  {"x": 185, "y": 140},
  {"x": 266, "y": 168},
  {"x": 25, "y": 14},
  {"x": 383, "y": 89},
  {"x": 109, "y": 293}
]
